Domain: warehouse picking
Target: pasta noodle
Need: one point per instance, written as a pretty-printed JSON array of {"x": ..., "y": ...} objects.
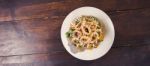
[{"x": 86, "y": 32}]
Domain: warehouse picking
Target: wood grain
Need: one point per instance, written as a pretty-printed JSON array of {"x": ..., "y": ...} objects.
[
  {"x": 28, "y": 9},
  {"x": 30, "y": 32},
  {"x": 5, "y": 13},
  {"x": 43, "y": 35},
  {"x": 131, "y": 27},
  {"x": 128, "y": 56},
  {"x": 30, "y": 36},
  {"x": 62, "y": 8}
]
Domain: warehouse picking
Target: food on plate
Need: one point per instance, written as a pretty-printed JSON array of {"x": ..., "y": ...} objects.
[{"x": 85, "y": 32}]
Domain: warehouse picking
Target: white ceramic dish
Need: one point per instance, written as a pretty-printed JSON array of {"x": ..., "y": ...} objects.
[{"x": 104, "y": 46}]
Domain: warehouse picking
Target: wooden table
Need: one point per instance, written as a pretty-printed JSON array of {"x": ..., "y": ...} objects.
[{"x": 30, "y": 32}]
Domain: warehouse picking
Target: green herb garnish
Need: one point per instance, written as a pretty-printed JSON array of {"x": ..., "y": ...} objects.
[{"x": 69, "y": 33}]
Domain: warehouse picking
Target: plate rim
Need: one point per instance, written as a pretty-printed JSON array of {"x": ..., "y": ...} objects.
[{"x": 105, "y": 15}]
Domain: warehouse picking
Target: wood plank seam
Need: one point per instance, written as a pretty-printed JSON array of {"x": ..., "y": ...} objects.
[{"x": 45, "y": 17}]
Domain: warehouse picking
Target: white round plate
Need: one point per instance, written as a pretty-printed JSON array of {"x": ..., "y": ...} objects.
[{"x": 104, "y": 46}]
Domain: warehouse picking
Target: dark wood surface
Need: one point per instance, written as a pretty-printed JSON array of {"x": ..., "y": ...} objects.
[{"x": 30, "y": 32}]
